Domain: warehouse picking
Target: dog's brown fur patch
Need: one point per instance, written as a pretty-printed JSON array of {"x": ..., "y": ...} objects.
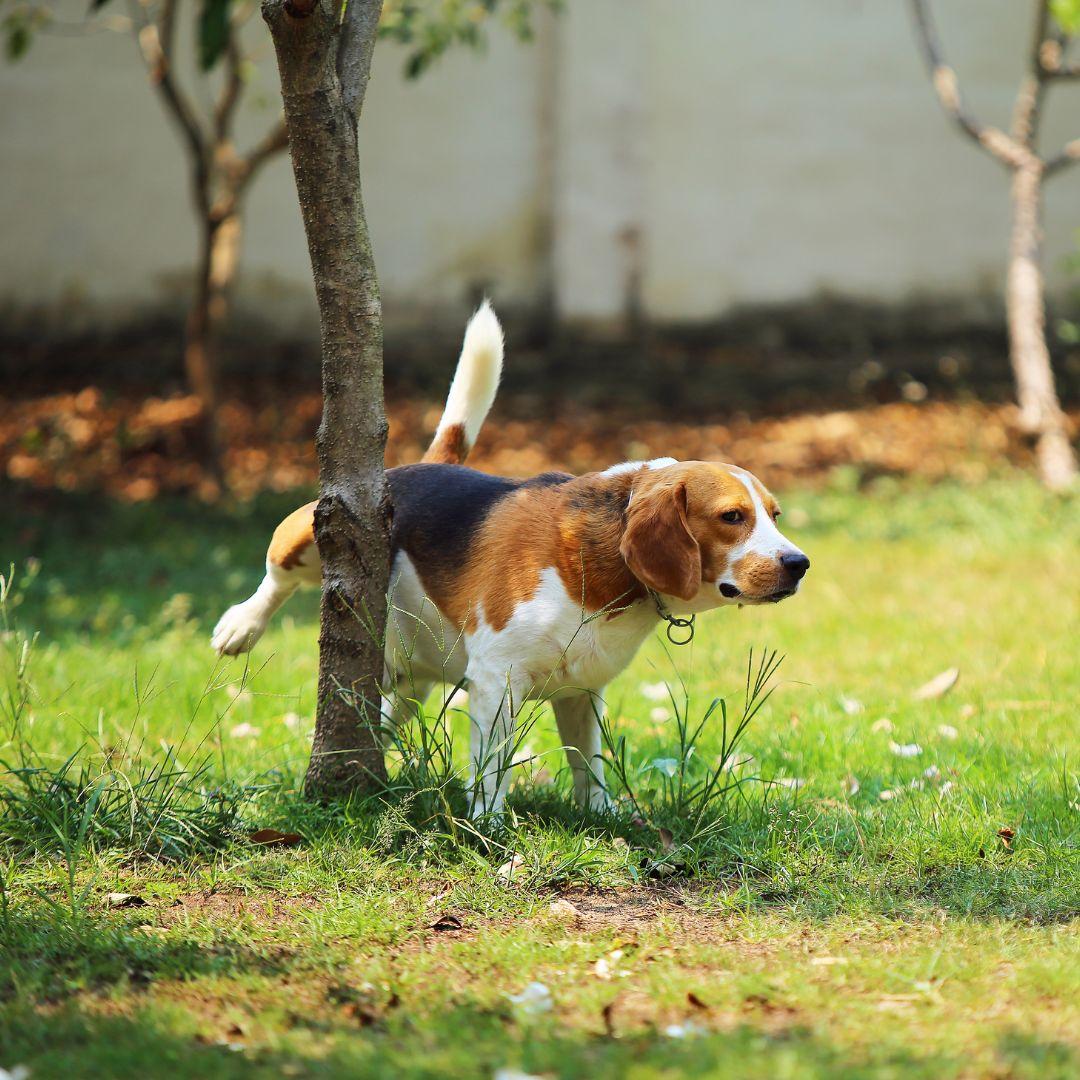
[
  {"x": 292, "y": 538},
  {"x": 449, "y": 447}
]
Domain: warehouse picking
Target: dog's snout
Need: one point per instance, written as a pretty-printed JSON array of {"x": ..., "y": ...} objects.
[{"x": 796, "y": 564}]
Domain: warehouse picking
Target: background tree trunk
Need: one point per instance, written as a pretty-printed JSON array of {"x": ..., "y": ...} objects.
[
  {"x": 218, "y": 259},
  {"x": 1041, "y": 414},
  {"x": 324, "y": 71}
]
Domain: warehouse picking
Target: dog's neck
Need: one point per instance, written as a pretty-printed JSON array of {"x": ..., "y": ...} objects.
[{"x": 591, "y": 532}]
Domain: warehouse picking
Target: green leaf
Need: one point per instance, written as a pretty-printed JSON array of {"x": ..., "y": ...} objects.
[
  {"x": 213, "y": 32},
  {"x": 18, "y": 38},
  {"x": 1066, "y": 14}
]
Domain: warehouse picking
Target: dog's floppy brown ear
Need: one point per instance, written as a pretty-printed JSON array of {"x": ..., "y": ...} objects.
[{"x": 658, "y": 545}]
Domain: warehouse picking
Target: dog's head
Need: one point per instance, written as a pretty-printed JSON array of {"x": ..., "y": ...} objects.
[{"x": 703, "y": 534}]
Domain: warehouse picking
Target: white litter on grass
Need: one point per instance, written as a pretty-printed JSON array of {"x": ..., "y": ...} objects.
[
  {"x": 533, "y": 1000},
  {"x": 932, "y": 772},
  {"x": 659, "y": 714},
  {"x": 244, "y": 731},
  {"x": 17, "y": 1072},
  {"x": 850, "y": 705},
  {"x": 884, "y": 724},
  {"x": 792, "y": 782},
  {"x": 911, "y": 749},
  {"x": 524, "y": 754},
  {"x": 514, "y": 1074},
  {"x": 887, "y": 795},
  {"x": 681, "y": 1031},
  {"x": 292, "y": 721},
  {"x": 947, "y": 731},
  {"x": 654, "y": 691}
]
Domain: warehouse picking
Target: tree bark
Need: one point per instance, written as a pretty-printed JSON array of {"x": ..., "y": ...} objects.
[
  {"x": 324, "y": 70},
  {"x": 1041, "y": 414}
]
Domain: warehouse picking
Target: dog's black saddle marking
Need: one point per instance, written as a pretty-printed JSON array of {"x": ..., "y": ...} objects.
[{"x": 439, "y": 508}]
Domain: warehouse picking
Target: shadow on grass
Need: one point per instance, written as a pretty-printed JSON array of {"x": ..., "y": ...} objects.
[
  {"x": 463, "y": 1041},
  {"x": 131, "y": 559}
]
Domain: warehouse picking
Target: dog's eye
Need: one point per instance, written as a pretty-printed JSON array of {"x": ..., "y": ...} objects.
[{"x": 732, "y": 517}]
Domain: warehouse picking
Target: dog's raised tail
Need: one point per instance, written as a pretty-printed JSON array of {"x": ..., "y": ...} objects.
[{"x": 473, "y": 390}]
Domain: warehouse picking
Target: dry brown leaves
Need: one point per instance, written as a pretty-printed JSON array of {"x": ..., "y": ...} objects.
[{"x": 136, "y": 448}]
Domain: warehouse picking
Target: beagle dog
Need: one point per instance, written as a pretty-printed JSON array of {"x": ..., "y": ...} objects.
[{"x": 541, "y": 588}]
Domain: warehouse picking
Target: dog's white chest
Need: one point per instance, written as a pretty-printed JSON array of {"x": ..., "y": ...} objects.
[{"x": 552, "y": 645}]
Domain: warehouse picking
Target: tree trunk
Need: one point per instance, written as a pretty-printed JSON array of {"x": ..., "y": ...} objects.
[
  {"x": 218, "y": 259},
  {"x": 1041, "y": 414},
  {"x": 323, "y": 90}
]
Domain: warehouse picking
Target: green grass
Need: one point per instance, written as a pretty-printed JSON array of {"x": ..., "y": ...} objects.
[{"x": 827, "y": 931}]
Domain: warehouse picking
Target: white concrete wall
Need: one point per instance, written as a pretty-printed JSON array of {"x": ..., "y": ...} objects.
[{"x": 692, "y": 154}]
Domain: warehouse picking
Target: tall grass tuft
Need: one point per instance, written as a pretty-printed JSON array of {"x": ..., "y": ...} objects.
[{"x": 143, "y": 802}]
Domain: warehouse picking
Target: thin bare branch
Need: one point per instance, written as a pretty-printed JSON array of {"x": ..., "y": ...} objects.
[
  {"x": 233, "y": 87},
  {"x": 156, "y": 44},
  {"x": 1027, "y": 110},
  {"x": 272, "y": 143},
  {"x": 1000, "y": 145},
  {"x": 1070, "y": 154}
]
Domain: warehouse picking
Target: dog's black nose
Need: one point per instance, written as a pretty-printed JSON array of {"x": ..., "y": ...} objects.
[{"x": 796, "y": 565}]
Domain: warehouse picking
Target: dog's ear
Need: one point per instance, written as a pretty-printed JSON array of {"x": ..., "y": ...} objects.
[{"x": 657, "y": 543}]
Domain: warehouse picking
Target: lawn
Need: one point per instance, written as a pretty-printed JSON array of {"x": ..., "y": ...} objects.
[{"x": 880, "y": 885}]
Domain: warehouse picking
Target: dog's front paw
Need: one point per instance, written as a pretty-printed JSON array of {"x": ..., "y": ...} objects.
[{"x": 238, "y": 630}]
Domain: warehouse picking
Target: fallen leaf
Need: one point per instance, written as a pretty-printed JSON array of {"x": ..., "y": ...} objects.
[
  {"x": 273, "y": 838},
  {"x": 124, "y": 900},
  {"x": 938, "y": 686},
  {"x": 608, "y": 1013},
  {"x": 511, "y": 867},
  {"x": 666, "y": 839},
  {"x": 1007, "y": 836},
  {"x": 564, "y": 909},
  {"x": 446, "y": 923},
  {"x": 693, "y": 999}
]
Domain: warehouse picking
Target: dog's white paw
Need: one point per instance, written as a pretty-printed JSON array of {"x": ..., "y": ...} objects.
[{"x": 239, "y": 628}]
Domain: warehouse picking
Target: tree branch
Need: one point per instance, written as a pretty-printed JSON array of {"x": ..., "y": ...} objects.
[
  {"x": 359, "y": 29},
  {"x": 1027, "y": 110},
  {"x": 225, "y": 109},
  {"x": 156, "y": 44},
  {"x": 1069, "y": 155},
  {"x": 1000, "y": 145},
  {"x": 272, "y": 143}
]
